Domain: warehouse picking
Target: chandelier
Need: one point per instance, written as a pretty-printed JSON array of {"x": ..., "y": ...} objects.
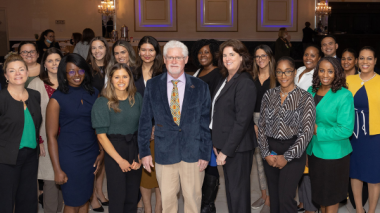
[
  {"x": 106, "y": 7},
  {"x": 322, "y": 9}
]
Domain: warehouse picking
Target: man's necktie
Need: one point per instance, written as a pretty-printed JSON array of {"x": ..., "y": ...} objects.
[{"x": 174, "y": 103}]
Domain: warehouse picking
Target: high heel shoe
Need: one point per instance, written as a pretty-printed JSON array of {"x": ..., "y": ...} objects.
[
  {"x": 104, "y": 203},
  {"x": 100, "y": 209}
]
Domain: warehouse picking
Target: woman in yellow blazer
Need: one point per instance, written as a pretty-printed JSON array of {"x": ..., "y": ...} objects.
[
  {"x": 365, "y": 158},
  {"x": 329, "y": 149}
]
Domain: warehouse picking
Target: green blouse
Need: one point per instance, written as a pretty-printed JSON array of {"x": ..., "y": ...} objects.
[
  {"x": 28, "y": 138},
  {"x": 105, "y": 120}
]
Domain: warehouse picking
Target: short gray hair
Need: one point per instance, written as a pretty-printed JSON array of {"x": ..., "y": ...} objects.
[{"x": 176, "y": 44}]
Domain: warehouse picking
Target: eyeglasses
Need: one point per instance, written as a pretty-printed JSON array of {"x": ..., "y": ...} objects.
[
  {"x": 262, "y": 57},
  {"x": 287, "y": 73},
  {"x": 25, "y": 53},
  {"x": 171, "y": 58},
  {"x": 72, "y": 72}
]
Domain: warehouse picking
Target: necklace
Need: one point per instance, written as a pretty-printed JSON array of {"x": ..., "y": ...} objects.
[
  {"x": 363, "y": 81},
  {"x": 283, "y": 94}
]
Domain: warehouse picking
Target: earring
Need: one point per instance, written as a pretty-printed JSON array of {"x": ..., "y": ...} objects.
[
  {"x": 45, "y": 69},
  {"x": 7, "y": 81}
]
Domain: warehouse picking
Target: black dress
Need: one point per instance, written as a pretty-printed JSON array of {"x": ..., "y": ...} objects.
[
  {"x": 98, "y": 81},
  {"x": 212, "y": 79}
]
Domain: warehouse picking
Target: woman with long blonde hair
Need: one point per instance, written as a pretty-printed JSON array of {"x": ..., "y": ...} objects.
[{"x": 115, "y": 117}]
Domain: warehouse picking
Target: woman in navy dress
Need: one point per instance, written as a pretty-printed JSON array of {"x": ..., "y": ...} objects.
[
  {"x": 365, "y": 159},
  {"x": 75, "y": 153}
]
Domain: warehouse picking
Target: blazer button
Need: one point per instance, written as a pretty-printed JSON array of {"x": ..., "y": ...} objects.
[{"x": 179, "y": 130}]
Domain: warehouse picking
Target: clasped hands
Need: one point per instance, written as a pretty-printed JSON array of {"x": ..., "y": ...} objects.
[
  {"x": 277, "y": 161},
  {"x": 125, "y": 166}
]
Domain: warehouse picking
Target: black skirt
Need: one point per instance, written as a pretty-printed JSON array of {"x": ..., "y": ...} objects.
[{"x": 329, "y": 179}]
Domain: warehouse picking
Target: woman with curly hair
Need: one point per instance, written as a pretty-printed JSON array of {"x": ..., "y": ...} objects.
[
  {"x": 330, "y": 148},
  {"x": 204, "y": 55}
]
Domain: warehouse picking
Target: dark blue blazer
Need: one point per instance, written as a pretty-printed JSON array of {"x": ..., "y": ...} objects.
[{"x": 191, "y": 140}]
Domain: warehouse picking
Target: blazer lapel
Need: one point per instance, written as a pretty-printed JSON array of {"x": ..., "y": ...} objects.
[
  {"x": 189, "y": 87},
  {"x": 227, "y": 86},
  {"x": 164, "y": 95},
  {"x": 324, "y": 99}
]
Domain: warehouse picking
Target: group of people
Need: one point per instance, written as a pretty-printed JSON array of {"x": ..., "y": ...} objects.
[{"x": 158, "y": 128}]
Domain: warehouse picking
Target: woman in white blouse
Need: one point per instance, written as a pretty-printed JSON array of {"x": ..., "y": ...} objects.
[
  {"x": 303, "y": 79},
  {"x": 304, "y": 74}
]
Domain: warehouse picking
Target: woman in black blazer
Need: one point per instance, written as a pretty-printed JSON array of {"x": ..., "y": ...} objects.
[
  {"x": 232, "y": 125},
  {"x": 149, "y": 65},
  {"x": 20, "y": 120}
]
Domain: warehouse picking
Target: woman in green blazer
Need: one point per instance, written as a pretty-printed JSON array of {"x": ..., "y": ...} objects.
[{"x": 329, "y": 149}]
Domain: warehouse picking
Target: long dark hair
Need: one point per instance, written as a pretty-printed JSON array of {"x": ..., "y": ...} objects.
[
  {"x": 79, "y": 61},
  {"x": 77, "y": 37},
  {"x": 44, "y": 33},
  {"x": 44, "y": 76},
  {"x": 214, "y": 47},
  {"x": 241, "y": 49},
  {"x": 131, "y": 52},
  {"x": 27, "y": 42},
  {"x": 272, "y": 64},
  {"x": 87, "y": 35},
  {"x": 106, "y": 60},
  {"x": 158, "y": 60},
  {"x": 109, "y": 91},
  {"x": 339, "y": 75}
]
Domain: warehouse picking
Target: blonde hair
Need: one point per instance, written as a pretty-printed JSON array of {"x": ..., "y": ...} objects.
[
  {"x": 13, "y": 58},
  {"x": 281, "y": 32},
  {"x": 109, "y": 91}
]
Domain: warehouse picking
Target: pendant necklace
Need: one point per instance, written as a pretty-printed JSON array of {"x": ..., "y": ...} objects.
[
  {"x": 283, "y": 94},
  {"x": 363, "y": 81}
]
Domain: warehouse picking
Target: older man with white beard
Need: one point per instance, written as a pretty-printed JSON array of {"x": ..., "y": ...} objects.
[{"x": 179, "y": 104}]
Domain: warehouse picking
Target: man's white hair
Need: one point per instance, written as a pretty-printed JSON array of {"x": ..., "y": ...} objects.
[{"x": 176, "y": 44}]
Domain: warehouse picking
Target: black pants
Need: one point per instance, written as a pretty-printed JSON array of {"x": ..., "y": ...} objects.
[
  {"x": 237, "y": 173},
  {"x": 282, "y": 183},
  {"x": 18, "y": 183},
  {"x": 123, "y": 187}
]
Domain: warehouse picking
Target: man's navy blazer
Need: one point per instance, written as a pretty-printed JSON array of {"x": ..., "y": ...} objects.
[{"x": 188, "y": 142}]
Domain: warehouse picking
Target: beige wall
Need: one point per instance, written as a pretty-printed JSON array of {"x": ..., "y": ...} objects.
[{"x": 28, "y": 17}]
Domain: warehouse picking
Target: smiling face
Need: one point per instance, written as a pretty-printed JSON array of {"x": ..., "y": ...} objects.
[
  {"x": 175, "y": 61},
  {"x": 262, "y": 58},
  {"x": 74, "y": 75},
  {"x": 367, "y": 61},
  {"x": 329, "y": 46},
  {"x": 326, "y": 73},
  {"x": 120, "y": 80},
  {"x": 286, "y": 79},
  {"x": 52, "y": 62},
  {"x": 147, "y": 53},
  {"x": 121, "y": 55},
  {"x": 311, "y": 57},
  {"x": 348, "y": 61},
  {"x": 98, "y": 50},
  {"x": 16, "y": 73},
  {"x": 205, "y": 56},
  {"x": 29, "y": 53},
  {"x": 231, "y": 59}
]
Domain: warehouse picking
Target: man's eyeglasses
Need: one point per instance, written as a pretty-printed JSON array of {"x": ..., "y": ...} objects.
[
  {"x": 171, "y": 58},
  {"x": 72, "y": 72},
  {"x": 262, "y": 57},
  {"x": 287, "y": 73},
  {"x": 25, "y": 53}
]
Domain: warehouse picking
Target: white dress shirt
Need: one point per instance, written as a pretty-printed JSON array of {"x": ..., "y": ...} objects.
[
  {"x": 213, "y": 101},
  {"x": 306, "y": 80}
]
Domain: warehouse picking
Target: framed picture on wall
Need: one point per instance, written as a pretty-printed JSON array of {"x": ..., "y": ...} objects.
[
  {"x": 217, "y": 15},
  {"x": 274, "y": 14},
  {"x": 155, "y": 15}
]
